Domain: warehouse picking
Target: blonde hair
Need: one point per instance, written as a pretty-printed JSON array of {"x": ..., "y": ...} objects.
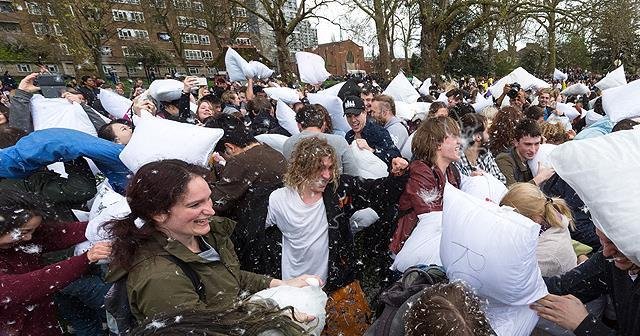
[
  {"x": 554, "y": 133},
  {"x": 306, "y": 162},
  {"x": 531, "y": 202},
  {"x": 430, "y": 134}
]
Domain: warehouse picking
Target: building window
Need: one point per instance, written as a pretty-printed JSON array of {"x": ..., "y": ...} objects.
[
  {"x": 190, "y": 38},
  {"x": 131, "y": 2},
  {"x": 241, "y": 12},
  {"x": 184, "y": 21},
  {"x": 64, "y": 49},
  {"x": 6, "y": 7},
  {"x": 40, "y": 28},
  {"x": 56, "y": 29},
  {"x": 200, "y": 23},
  {"x": 130, "y": 34},
  {"x": 204, "y": 39},
  {"x": 164, "y": 37},
  {"x": 172, "y": 70},
  {"x": 198, "y": 6},
  {"x": 24, "y": 68},
  {"x": 10, "y": 27},
  {"x": 211, "y": 71},
  {"x": 182, "y": 4},
  {"x": 207, "y": 55},
  {"x": 52, "y": 68},
  {"x": 36, "y": 9},
  {"x": 243, "y": 41},
  {"x": 190, "y": 54},
  {"x": 241, "y": 27},
  {"x": 128, "y": 16},
  {"x": 193, "y": 71},
  {"x": 157, "y": 3},
  {"x": 106, "y": 51}
]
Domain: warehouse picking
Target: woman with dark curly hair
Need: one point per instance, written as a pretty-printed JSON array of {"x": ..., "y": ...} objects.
[{"x": 501, "y": 132}]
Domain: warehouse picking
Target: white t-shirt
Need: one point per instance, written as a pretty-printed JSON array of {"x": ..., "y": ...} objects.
[{"x": 305, "y": 237}]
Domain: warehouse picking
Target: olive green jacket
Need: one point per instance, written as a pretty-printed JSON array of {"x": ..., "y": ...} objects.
[{"x": 156, "y": 285}]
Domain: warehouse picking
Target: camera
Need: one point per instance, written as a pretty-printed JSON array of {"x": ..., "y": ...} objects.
[
  {"x": 513, "y": 92},
  {"x": 51, "y": 85}
]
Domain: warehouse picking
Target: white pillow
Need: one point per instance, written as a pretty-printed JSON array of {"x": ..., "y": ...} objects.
[
  {"x": 622, "y": 102},
  {"x": 115, "y": 104},
  {"x": 311, "y": 68},
  {"x": 484, "y": 186},
  {"x": 237, "y": 67},
  {"x": 310, "y": 300},
  {"x": 287, "y": 117},
  {"x": 591, "y": 117},
  {"x": 481, "y": 103},
  {"x": 406, "y": 151},
  {"x": 333, "y": 104},
  {"x": 156, "y": 139},
  {"x": 59, "y": 113},
  {"x": 362, "y": 219},
  {"x": 542, "y": 157},
  {"x": 443, "y": 98},
  {"x": 107, "y": 205},
  {"x": 576, "y": 89},
  {"x": 415, "y": 82},
  {"x": 287, "y": 95},
  {"x": 521, "y": 76},
  {"x": 165, "y": 90},
  {"x": 259, "y": 70},
  {"x": 568, "y": 110},
  {"x": 511, "y": 320},
  {"x": 562, "y": 120},
  {"x": 401, "y": 90},
  {"x": 491, "y": 248},
  {"x": 275, "y": 141},
  {"x": 605, "y": 172},
  {"x": 613, "y": 79},
  {"x": 424, "y": 88},
  {"x": 404, "y": 110},
  {"x": 369, "y": 165},
  {"x": 423, "y": 245},
  {"x": 559, "y": 75},
  {"x": 333, "y": 90}
]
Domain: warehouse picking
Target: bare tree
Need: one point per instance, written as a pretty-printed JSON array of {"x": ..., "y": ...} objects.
[
  {"x": 85, "y": 26},
  {"x": 407, "y": 23},
  {"x": 272, "y": 12},
  {"x": 222, "y": 21}
]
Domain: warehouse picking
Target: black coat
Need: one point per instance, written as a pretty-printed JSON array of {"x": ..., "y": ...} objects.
[{"x": 596, "y": 277}]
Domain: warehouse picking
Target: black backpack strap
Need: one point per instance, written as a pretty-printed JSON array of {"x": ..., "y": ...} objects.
[{"x": 191, "y": 274}]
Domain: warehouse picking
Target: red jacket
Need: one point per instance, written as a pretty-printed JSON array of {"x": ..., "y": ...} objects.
[
  {"x": 27, "y": 286},
  {"x": 422, "y": 194}
]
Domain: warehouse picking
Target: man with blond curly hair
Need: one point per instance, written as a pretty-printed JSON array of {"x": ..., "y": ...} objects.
[{"x": 312, "y": 211}]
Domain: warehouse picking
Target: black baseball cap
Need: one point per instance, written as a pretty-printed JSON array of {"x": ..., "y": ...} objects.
[{"x": 353, "y": 105}]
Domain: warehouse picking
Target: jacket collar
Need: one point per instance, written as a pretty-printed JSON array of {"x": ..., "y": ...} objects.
[{"x": 522, "y": 166}]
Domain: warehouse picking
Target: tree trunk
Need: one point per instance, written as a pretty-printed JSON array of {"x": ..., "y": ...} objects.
[
  {"x": 284, "y": 63},
  {"x": 491, "y": 51},
  {"x": 383, "y": 47},
  {"x": 551, "y": 43},
  {"x": 97, "y": 60},
  {"x": 429, "y": 53}
]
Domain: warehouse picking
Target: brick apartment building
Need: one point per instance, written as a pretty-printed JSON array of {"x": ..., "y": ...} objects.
[
  {"x": 134, "y": 21},
  {"x": 341, "y": 57}
]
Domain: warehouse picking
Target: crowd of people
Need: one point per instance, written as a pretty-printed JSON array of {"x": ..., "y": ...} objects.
[{"x": 199, "y": 241}]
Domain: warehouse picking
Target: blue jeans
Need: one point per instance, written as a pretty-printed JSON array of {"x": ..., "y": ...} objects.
[{"x": 81, "y": 304}]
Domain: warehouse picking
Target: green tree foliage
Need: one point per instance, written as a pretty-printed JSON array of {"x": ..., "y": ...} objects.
[{"x": 616, "y": 35}]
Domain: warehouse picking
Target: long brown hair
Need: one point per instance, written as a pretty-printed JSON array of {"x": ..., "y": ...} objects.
[
  {"x": 153, "y": 190},
  {"x": 502, "y": 130},
  {"x": 430, "y": 135}
]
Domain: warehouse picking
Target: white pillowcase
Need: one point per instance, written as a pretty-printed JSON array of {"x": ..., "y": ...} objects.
[
  {"x": 622, "y": 102},
  {"x": 287, "y": 95},
  {"x": 157, "y": 139},
  {"x": 259, "y": 70},
  {"x": 576, "y": 89},
  {"x": 605, "y": 172},
  {"x": 542, "y": 157},
  {"x": 165, "y": 90},
  {"x": 333, "y": 90},
  {"x": 333, "y": 104},
  {"x": 481, "y": 103},
  {"x": 311, "y": 68},
  {"x": 423, "y": 245},
  {"x": 59, "y": 113},
  {"x": 491, "y": 248},
  {"x": 401, "y": 90},
  {"x": 424, "y": 88},
  {"x": 369, "y": 165},
  {"x": 559, "y": 75},
  {"x": 237, "y": 67},
  {"x": 521, "y": 76},
  {"x": 275, "y": 141},
  {"x": 115, "y": 104},
  {"x": 286, "y": 117},
  {"x": 406, "y": 151},
  {"x": 484, "y": 186},
  {"x": 613, "y": 79}
]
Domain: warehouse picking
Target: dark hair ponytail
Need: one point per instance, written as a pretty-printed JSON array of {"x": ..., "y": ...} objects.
[{"x": 153, "y": 190}]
